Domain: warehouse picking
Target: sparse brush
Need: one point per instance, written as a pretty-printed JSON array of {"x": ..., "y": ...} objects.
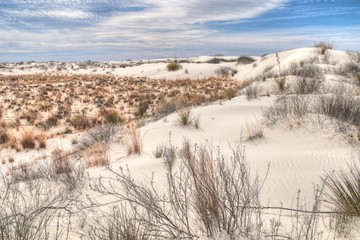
[
  {"x": 308, "y": 85},
  {"x": 27, "y": 139},
  {"x": 323, "y": 46},
  {"x": 349, "y": 69},
  {"x": 173, "y": 66},
  {"x": 119, "y": 224},
  {"x": 253, "y": 91}
]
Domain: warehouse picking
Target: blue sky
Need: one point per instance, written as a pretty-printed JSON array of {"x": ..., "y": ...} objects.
[{"x": 77, "y": 30}]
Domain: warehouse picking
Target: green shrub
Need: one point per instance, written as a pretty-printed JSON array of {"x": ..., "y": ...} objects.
[
  {"x": 245, "y": 59},
  {"x": 173, "y": 66}
]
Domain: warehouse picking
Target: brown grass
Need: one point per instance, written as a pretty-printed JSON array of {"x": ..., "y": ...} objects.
[
  {"x": 95, "y": 155},
  {"x": 132, "y": 141},
  {"x": 61, "y": 160},
  {"x": 27, "y": 139}
]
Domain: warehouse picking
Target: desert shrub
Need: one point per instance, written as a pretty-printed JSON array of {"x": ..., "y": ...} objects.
[
  {"x": 216, "y": 60},
  {"x": 225, "y": 71},
  {"x": 209, "y": 194},
  {"x": 323, "y": 46},
  {"x": 349, "y": 69},
  {"x": 173, "y": 66},
  {"x": 307, "y": 71},
  {"x": 245, "y": 59},
  {"x": 27, "y": 139},
  {"x": 111, "y": 116},
  {"x": 103, "y": 134},
  {"x": 28, "y": 209},
  {"x": 340, "y": 106},
  {"x": 119, "y": 224},
  {"x": 252, "y": 91},
  {"x": 287, "y": 107},
  {"x": 4, "y": 135},
  {"x": 52, "y": 120},
  {"x": 80, "y": 122},
  {"x": 308, "y": 85}
]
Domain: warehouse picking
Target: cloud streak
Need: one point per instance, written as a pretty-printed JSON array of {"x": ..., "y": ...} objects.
[{"x": 120, "y": 29}]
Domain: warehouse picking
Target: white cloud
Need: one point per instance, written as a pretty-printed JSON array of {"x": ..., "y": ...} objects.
[{"x": 169, "y": 28}]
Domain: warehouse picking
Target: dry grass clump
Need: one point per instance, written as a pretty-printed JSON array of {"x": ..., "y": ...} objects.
[
  {"x": 61, "y": 161},
  {"x": 184, "y": 117},
  {"x": 4, "y": 135},
  {"x": 173, "y": 66},
  {"x": 52, "y": 120},
  {"x": 132, "y": 141},
  {"x": 41, "y": 139},
  {"x": 95, "y": 155},
  {"x": 323, "y": 46},
  {"x": 80, "y": 122},
  {"x": 111, "y": 116},
  {"x": 159, "y": 151},
  {"x": 230, "y": 93},
  {"x": 255, "y": 131},
  {"x": 280, "y": 84},
  {"x": 27, "y": 139}
]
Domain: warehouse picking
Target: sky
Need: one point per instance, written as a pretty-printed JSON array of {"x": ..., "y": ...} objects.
[{"x": 104, "y": 30}]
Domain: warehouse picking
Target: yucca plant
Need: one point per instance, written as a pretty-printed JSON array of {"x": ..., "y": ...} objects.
[{"x": 344, "y": 191}]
